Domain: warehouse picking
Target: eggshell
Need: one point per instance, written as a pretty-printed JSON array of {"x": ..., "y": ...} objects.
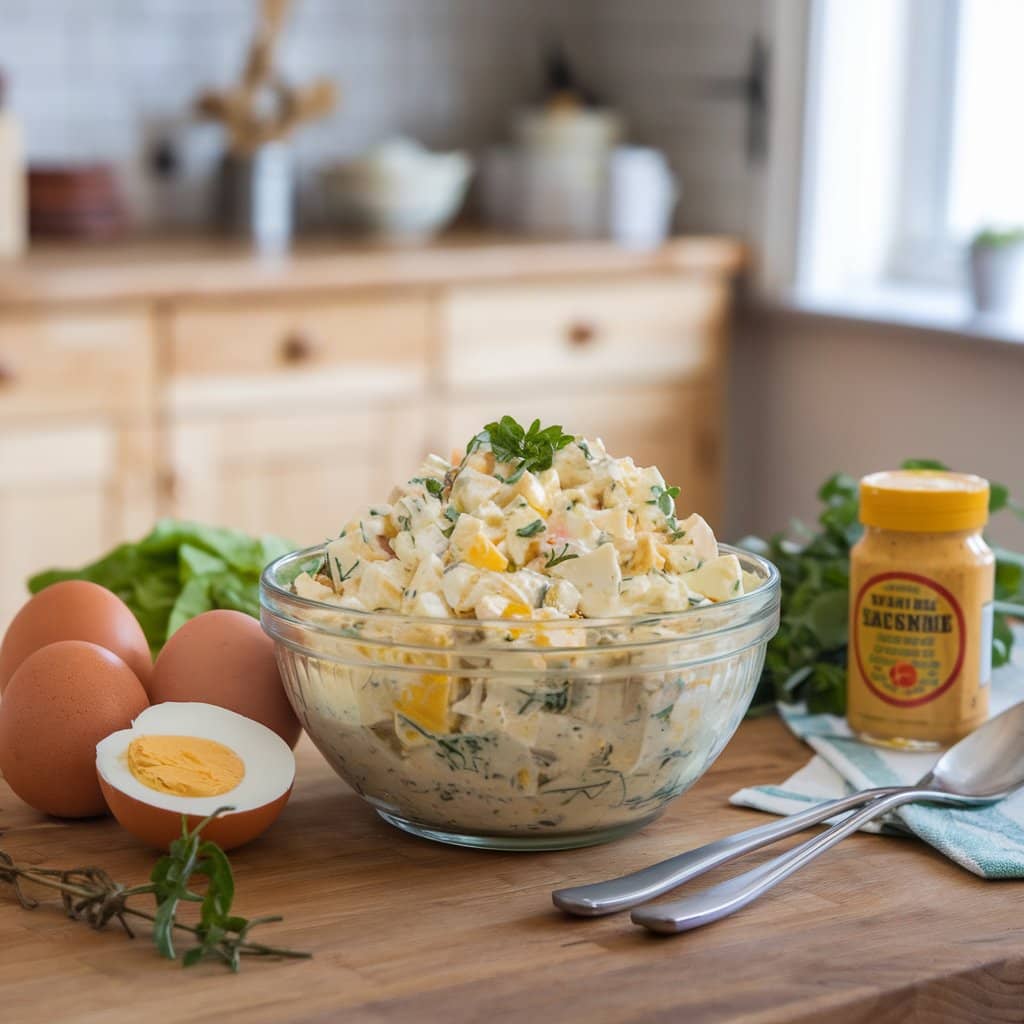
[
  {"x": 224, "y": 658},
  {"x": 155, "y": 817},
  {"x": 62, "y": 700},
  {"x": 159, "y": 828},
  {"x": 75, "y": 610}
]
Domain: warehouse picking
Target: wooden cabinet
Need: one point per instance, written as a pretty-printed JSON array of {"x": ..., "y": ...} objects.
[
  {"x": 568, "y": 336},
  {"x": 76, "y": 440},
  {"x": 289, "y": 416},
  {"x": 285, "y": 397},
  {"x": 634, "y": 362}
]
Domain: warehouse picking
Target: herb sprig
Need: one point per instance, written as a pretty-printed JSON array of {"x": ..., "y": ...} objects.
[
  {"x": 806, "y": 660},
  {"x": 89, "y": 894},
  {"x": 531, "y": 450},
  {"x": 559, "y": 556}
]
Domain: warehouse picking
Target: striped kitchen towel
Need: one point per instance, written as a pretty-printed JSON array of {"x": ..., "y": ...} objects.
[{"x": 988, "y": 841}]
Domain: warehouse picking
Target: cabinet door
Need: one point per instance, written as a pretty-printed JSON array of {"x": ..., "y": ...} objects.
[
  {"x": 302, "y": 475},
  {"x": 290, "y": 417},
  {"x": 67, "y": 495},
  {"x": 673, "y": 426}
]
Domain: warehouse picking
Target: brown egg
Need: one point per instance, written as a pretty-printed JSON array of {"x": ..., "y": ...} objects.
[
  {"x": 62, "y": 700},
  {"x": 75, "y": 610},
  {"x": 224, "y": 658},
  {"x": 145, "y": 805}
]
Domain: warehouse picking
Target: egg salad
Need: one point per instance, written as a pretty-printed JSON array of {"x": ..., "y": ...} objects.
[
  {"x": 528, "y": 641},
  {"x": 529, "y": 524}
]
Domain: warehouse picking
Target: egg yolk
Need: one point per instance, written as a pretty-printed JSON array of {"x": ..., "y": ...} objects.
[{"x": 185, "y": 765}]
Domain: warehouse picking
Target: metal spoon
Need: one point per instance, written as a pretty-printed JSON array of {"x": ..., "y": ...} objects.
[
  {"x": 617, "y": 894},
  {"x": 982, "y": 768}
]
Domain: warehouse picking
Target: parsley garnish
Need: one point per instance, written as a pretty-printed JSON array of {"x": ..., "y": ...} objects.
[
  {"x": 664, "y": 498},
  {"x": 558, "y": 557},
  {"x": 532, "y": 529},
  {"x": 434, "y": 487},
  {"x": 451, "y": 514},
  {"x": 531, "y": 450}
]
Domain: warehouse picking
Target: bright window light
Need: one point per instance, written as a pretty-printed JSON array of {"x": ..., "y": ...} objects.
[{"x": 987, "y": 168}]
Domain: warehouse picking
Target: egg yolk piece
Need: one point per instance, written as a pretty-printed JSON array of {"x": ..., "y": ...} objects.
[{"x": 185, "y": 765}]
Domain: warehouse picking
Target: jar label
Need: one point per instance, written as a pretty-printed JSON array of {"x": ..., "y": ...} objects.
[{"x": 908, "y": 637}]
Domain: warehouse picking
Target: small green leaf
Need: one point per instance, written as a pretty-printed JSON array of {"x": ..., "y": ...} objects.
[
  {"x": 194, "y": 956},
  {"x": 531, "y": 529},
  {"x": 998, "y": 497}
]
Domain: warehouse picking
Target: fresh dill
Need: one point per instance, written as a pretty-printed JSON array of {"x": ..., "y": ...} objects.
[{"x": 558, "y": 557}]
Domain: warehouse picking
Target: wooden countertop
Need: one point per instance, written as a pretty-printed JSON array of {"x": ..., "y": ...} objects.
[
  {"x": 191, "y": 267},
  {"x": 879, "y": 930}
]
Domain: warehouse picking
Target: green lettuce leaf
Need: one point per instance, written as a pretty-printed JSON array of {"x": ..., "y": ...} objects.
[{"x": 179, "y": 570}]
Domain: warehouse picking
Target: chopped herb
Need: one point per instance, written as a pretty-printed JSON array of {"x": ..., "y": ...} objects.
[
  {"x": 434, "y": 487},
  {"x": 537, "y": 526},
  {"x": 362, "y": 532},
  {"x": 664, "y": 498},
  {"x": 558, "y": 557},
  {"x": 582, "y": 445},
  {"x": 664, "y": 714},
  {"x": 342, "y": 575},
  {"x": 676, "y": 535},
  {"x": 736, "y": 586},
  {"x": 531, "y": 450},
  {"x": 696, "y": 599},
  {"x": 405, "y": 522},
  {"x": 555, "y": 701},
  {"x": 451, "y": 514}
]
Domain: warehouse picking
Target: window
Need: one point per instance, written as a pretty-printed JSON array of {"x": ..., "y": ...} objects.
[{"x": 912, "y": 142}]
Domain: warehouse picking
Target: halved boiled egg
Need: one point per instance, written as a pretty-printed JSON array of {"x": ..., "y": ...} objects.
[{"x": 191, "y": 759}]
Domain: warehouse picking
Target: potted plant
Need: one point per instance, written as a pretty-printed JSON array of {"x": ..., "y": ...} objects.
[{"x": 997, "y": 269}]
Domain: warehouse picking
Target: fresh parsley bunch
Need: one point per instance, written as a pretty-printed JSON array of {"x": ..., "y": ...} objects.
[
  {"x": 531, "y": 450},
  {"x": 806, "y": 659}
]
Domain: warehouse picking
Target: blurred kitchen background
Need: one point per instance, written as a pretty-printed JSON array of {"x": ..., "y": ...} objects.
[{"x": 259, "y": 256}]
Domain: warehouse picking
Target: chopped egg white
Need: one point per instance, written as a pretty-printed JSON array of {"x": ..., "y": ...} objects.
[{"x": 588, "y": 536}]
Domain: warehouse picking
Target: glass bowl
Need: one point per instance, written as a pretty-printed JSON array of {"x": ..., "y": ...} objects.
[{"x": 512, "y": 734}]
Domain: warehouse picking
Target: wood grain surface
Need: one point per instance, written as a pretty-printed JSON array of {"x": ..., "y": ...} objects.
[{"x": 881, "y": 930}]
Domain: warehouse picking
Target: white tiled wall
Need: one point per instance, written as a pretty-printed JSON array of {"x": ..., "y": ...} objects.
[{"x": 100, "y": 79}]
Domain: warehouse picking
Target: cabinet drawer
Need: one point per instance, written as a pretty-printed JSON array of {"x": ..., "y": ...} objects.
[
  {"x": 277, "y": 349},
  {"x": 74, "y": 363},
  {"x": 569, "y": 334}
]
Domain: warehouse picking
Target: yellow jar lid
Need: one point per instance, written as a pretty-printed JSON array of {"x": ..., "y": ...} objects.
[{"x": 923, "y": 501}]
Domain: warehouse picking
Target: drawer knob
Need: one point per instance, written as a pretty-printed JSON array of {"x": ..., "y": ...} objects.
[
  {"x": 581, "y": 333},
  {"x": 296, "y": 348}
]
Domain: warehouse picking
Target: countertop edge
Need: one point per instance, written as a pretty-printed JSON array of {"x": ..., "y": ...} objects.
[{"x": 196, "y": 268}]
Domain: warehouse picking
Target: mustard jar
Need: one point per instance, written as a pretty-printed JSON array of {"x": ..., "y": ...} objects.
[{"x": 922, "y": 583}]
